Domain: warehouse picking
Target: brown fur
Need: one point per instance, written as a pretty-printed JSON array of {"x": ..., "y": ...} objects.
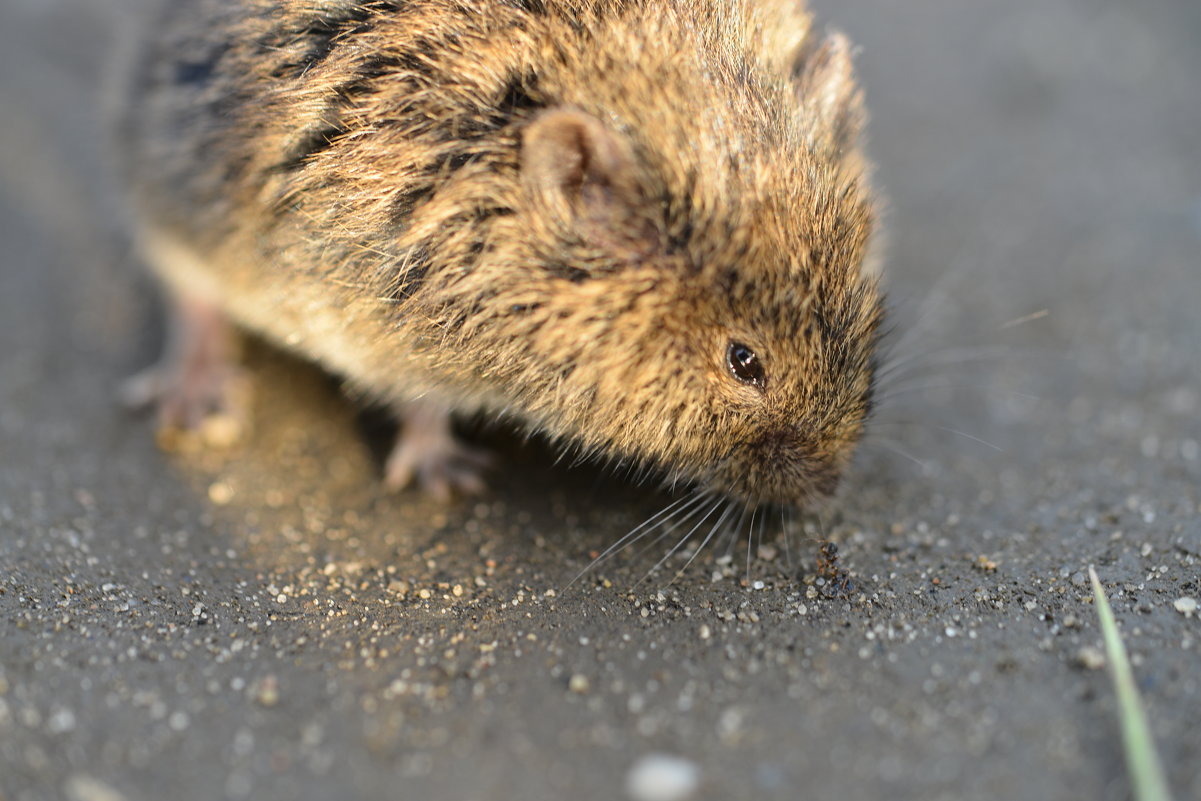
[{"x": 561, "y": 211}]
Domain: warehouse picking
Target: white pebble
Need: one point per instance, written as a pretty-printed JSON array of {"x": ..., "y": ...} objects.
[
  {"x": 1090, "y": 658},
  {"x": 658, "y": 777},
  {"x": 81, "y": 787},
  {"x": 1186, "y": 606},
  {"x": 63, "y": 720}
]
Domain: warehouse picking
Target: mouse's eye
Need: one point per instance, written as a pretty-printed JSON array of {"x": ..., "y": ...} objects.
[{"x": 745, "y": 365}]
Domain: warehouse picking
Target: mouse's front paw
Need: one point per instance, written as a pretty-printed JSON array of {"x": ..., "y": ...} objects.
[
  {"x": 193, "y": 408},
  {"x": 428, "y": 455},
  {"x": 201, "y": 396}
]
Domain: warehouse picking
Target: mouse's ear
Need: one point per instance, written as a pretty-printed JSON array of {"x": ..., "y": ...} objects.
[
  {"x": 831, "y": 101},
  {"x": 585, "y": 176}
]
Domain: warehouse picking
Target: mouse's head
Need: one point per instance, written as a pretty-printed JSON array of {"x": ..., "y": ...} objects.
[{"x": 690, "y": 290}]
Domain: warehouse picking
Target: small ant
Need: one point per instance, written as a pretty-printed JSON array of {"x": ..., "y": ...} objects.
[{"x": 838, "y": 581}]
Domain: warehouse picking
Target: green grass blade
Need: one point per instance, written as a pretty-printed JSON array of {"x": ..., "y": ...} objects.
[{"x": 1146, "y": 772}]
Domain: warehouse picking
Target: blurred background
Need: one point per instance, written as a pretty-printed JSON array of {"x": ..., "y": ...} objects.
[{"x": 266, "y": 622}]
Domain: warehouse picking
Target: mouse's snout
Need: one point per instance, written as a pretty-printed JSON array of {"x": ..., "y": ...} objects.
[{"x": 787, "y": 465}]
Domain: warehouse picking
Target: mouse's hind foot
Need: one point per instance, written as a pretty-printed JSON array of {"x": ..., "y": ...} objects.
[
  {"x": 427, "y": 454},
  {"x": 200, "y": 394}
]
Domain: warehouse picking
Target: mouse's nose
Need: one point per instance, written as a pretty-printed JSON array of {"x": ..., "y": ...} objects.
[{"x": 790, "y": 466}]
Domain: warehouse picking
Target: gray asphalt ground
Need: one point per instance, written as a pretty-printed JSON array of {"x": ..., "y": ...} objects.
[{"x": 264, "y": 622}]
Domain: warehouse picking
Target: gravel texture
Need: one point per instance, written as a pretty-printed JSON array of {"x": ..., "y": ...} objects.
[{"x": 264, "y": 622}]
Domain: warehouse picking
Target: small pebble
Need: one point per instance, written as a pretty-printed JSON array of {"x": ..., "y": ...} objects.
[
  {"x": 268, "y": 691},
  {"x": 1090, "y": 658},
  {"x": 81, "y": 787},
  {"x": 221, "y": 431},
  {"x": 221, "y": 493},
  {"x": 658, "y": 777},
  {"x": 61, "y": 721},
  {"x": 985, "y": 564},
  {"x": 579, "y": 684},
  {"x": 1186, "y": 606}
]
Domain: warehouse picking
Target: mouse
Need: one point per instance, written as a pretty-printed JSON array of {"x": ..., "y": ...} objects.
[{"x": 642, "y": 229}]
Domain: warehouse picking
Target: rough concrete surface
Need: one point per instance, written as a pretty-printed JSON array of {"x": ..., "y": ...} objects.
[{"x": 266, "y": 623}]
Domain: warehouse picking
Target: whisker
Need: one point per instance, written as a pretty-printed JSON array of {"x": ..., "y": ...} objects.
[
  {"x": 675, "y": 525},
  {"x": 685, "y": 538},
  {"x": 750, "y": 538},
  {"x": 1032, "y": 316},
  {"x": 940, "y": 358},
  {"x": 759, "y": 534},
  {"x": 893, "y": 449},
  {"x": 704, "y": 542},
  {"x": 956, "y": 431},
  {"x": 966, "y": 435},
  {"x": 626, "y": 539},
  {"x": 877, "y": 436},
  {"x": 925, "y": 312},
  {"x": 750, "y": 529},
  {"x": 737, "y": 528},
  {"x": 784, "y": 529},
  {"x": 729, "y": 536},
  {"x": 892, "y": 393}
]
